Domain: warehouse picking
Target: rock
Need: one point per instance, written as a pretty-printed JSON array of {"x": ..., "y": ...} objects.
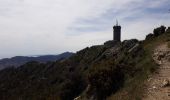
[
  {"x": 154, "y": 87},
  {"x": 165, "y": 83},
  {"x": 112, "y": 52},
  {"x": 135, "y": 48},
  {"x": 128, "y": 44},
  {"x": 161, "y": 56},
  {"x": 111, "y": 43},
  {"x": 77, "y": 98}
]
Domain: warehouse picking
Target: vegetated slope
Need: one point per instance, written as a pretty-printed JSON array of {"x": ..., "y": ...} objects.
[
  {"x": 136, "y": 89},
  {"x": 62, "y": 79},
  {"x": 113, "y": 71},
  {"x": 20, "y": 60}
]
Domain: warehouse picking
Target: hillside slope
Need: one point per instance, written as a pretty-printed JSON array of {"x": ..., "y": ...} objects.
[
  {"x": 139, "y": 89},
  {"x": 113, "y": 71}
]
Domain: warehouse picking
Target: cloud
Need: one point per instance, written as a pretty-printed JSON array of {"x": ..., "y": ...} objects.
[
  {"x": 31, "y": 27},
  {"x": 138, "y": 14}
]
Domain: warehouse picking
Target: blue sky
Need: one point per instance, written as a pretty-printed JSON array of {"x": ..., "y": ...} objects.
[{"x": 34, "y": 27}]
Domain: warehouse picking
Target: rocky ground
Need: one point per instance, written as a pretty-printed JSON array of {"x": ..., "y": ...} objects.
[{"x": 158, "y": 85}]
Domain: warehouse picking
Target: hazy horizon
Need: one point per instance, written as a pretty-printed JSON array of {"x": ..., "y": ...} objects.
[
  {"x": 39, "y": 55},
  {"x": 34, "y": 27}
]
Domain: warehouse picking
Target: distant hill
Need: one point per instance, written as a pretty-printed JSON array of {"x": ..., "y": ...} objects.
[{"x": 20, "y": 60}]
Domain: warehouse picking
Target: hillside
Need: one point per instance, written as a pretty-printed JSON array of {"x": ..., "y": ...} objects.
[
  {"x": 20, "y": 60},
  {"x": 112, "y": 71}
]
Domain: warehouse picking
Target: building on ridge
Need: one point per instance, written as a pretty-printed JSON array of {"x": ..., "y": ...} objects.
[{"x": 117, "y": 32}]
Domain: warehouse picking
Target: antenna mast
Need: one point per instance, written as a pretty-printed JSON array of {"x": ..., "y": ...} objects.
[{"x": 117, "y": 23}]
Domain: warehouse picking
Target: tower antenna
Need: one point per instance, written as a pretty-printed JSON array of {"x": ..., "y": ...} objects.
[{"x": 117, "y": 22}]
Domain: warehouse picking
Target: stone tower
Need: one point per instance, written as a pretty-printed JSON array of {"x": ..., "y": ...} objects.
[{"x": 117, "y": 32}]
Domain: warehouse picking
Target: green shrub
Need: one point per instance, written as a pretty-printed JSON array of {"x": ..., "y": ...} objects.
[
  {"x": 72, "y": 87},
  {"x": 159, "y": 30},
  {"x": 105, "y": 79}
]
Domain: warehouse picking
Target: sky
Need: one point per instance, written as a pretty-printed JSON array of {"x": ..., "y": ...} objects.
[{"x": 40, "y": 27}]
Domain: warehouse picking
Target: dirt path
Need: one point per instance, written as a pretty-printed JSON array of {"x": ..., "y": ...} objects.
[{"x": 159, "y": 84}]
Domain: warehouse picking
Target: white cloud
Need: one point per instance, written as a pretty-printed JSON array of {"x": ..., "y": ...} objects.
[{"x": 31, "y": 27}]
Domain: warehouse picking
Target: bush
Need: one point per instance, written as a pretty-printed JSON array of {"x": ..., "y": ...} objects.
[
  {"x": 72, "y": 87},
  {"x": 149, "y": 36},
  {"x": 105, "y": 81},
  {"x": 159, "y": 30}
]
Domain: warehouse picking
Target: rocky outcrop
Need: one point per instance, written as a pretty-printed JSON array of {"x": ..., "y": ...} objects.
[{"x": 128, "y": 44}]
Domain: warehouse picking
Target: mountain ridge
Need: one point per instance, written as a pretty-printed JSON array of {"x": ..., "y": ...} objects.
[{"x": 19, "y": 60}]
